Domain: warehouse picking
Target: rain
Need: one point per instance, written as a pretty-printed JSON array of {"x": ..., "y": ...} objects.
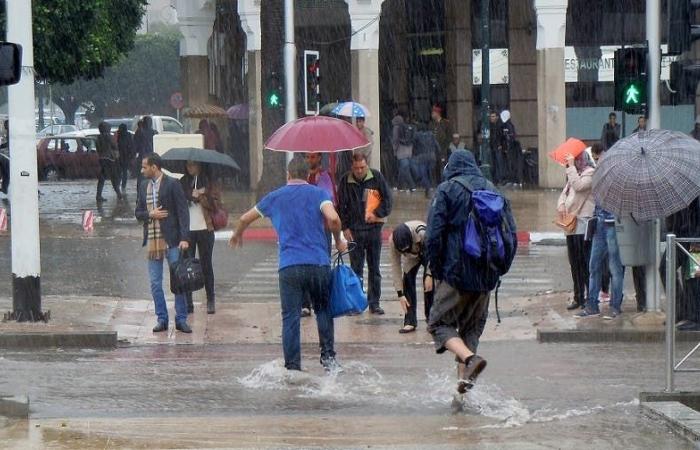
[{"x": 387, "y": 223}]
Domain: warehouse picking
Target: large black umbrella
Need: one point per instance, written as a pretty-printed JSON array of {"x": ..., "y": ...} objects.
[{"x": 200, "y": 155}]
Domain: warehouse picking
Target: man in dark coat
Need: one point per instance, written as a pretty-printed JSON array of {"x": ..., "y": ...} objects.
[
  {"x": 364, "y": 203},
  {"x": 462, "y": 283},
  {"x": 162, "y": 208}
]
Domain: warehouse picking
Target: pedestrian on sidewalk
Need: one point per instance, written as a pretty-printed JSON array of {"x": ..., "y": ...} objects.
[
  {"x": 425, "y": 153},
  {"x": 203, "y": 197},
  {"x": 407, "y": 257},
  {"x": 125, "y": 144},
  {"x": 611, "y": 132},
  {"x": 364, "y": 203},
  {"x": 462, "y": 283},
  {"x": 162, "y": 208},
  {"x": 577, "y": 199},
  {"x": 300, "y": 214},
  {"x": 322, "y": 179},
  {"x": 108, "y": 154},
  {"x": 402, "y": 137},
  {"x": 442, "y": 130}
]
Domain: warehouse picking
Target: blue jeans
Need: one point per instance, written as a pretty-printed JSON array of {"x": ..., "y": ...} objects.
[
  {"x": 405, "y": 178},
  {"x": 421, "y": 173},
  {"x": 296, "y": 282},
  {"x": 155, "y": 273},
  {"x": 605, "y": 244}
]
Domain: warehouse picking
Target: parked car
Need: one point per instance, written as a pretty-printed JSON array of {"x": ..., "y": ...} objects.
[
  {"x": 162, "y": 124},
  {"x": 71, "y": 155},
  {"x": 114, "y": 123},
  {"x": 53, "y": 130}
]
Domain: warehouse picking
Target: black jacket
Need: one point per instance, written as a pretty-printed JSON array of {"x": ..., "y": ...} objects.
[
  {"x": 171, "y": 197},
  {"x": 446, "y": 224},
  {"x": 352, "y": 200}
]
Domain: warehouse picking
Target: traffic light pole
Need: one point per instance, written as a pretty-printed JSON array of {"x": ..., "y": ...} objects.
[
  {"x": 486, "y": 156},
  {"x": 24, "y": 187},
  {"x": 290, "y": 73},
  {"x": 653, "y": 23}
]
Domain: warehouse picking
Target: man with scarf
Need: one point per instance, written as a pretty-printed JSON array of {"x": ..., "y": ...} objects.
[{"x": 162, "y": 208}]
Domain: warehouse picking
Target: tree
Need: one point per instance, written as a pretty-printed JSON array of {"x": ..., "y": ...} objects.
[
  {"x": 142, "y": 82},
  {"x": 80, "y": 39}
]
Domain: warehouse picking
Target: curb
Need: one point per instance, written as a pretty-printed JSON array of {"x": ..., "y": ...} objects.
[
  {"x": 15, "y": 407},
  {"x": 34, "y": 340},
  {"x": 607, "y": 336},
  {"x": 524, "y": 237},
  {"x": 682, "y": 419}
]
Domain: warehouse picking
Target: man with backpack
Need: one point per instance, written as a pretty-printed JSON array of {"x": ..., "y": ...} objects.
[
  {"x": 470, "y": 244},
  {"x": 402, "y": 141}
]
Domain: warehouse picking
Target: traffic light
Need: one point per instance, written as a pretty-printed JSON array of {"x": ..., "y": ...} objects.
[
  {"x": 312, "y": 80},
  {"x": 683, "y": 28},
  {"x": 631, "y": 80},
  {"x": 273, "y": 98}
]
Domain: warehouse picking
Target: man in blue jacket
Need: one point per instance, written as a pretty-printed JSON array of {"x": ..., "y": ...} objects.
[
  {"x": 162, "y": 208},
  {"x": 462, "y": 283}
]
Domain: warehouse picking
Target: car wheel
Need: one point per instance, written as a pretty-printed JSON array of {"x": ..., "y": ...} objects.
[{"x": 51, "y": 174}]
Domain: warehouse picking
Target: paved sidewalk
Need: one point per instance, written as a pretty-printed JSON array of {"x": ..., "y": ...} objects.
[{"x": 260, "y": 322}]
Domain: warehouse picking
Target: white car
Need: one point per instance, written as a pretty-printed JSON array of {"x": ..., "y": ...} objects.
[
  {"x": 53, "y": 130},
  {"x": 162, "y": 124}
]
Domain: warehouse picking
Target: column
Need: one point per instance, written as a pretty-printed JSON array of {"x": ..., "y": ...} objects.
[
  {"x": 364, "y": 46},
  {"x": 551, "y": 92},
  {"x": 522, "y": 57},
  {"x": 249, "y": 12},
  {"x": 458, "y": 58},
  {"x": 196, "y": 20}
]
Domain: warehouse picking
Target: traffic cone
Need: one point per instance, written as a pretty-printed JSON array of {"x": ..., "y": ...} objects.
[
  {"x": 88, "y": 221},
  {"x": 3, "y": 220}
]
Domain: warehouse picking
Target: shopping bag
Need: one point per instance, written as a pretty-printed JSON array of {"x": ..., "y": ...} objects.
[{"x": 347, "y": 295}]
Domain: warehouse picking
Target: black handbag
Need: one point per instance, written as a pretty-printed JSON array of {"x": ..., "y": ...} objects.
[{"x": 186, "y": 275}]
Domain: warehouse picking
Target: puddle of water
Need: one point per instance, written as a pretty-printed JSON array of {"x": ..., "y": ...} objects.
[{"x": 361, "y": 383}]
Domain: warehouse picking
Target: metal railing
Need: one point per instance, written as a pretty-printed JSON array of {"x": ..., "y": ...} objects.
[{"x": 673, "y": 244}]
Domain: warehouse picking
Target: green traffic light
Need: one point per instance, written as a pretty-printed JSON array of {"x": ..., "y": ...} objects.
[
  {"x": 274, "y": 100},
  {"x": 632, "y": 95}
]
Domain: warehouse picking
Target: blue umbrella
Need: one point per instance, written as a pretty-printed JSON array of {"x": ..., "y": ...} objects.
[{"x": 351, "y": 109}]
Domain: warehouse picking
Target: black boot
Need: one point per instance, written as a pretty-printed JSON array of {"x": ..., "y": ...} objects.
[{"x": 211, "y": 306}]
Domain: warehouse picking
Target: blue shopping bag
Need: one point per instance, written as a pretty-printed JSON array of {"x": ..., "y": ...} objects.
[{"x": 347, "y": 295}]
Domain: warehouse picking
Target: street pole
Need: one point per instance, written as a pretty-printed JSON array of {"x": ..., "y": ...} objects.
[
  {"x": 24, "y": 188},
  {"x": 653, "y": 19},
  {"x": 290, "y": 73},
  {"x": 485, "y": 150}
]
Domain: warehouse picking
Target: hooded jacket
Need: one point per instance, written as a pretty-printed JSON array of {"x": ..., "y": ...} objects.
[{"x": 447, "y": 219}]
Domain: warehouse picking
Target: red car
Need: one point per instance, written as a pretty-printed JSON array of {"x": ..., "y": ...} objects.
[{"x": 70, "y": 155}]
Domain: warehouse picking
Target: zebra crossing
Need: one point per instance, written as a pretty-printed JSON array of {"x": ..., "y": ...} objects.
[{"x": 535, "y": 269}]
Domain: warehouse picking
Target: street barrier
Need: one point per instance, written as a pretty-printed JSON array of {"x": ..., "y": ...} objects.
[
  {"x": 673, "y": 244},
  {"x": 88, "y": 221},
  {"x": 3, "y": 220}
]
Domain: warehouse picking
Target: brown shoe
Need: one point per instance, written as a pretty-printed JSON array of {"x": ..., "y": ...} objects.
[{"x": 474, "y": 365}]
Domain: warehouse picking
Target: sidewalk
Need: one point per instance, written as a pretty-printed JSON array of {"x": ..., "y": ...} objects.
[{"x": 542, "y": 317}]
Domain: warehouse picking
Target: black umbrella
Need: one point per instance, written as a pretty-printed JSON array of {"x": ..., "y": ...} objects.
[{"x": 200, "y": 155}]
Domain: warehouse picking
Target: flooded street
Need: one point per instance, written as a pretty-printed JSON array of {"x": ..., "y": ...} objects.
[{"x": 389, "y": 396}]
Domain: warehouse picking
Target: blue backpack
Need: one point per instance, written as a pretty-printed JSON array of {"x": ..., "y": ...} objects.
[{"x": 489, "y": 234}]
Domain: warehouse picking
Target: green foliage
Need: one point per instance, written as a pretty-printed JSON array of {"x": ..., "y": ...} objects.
[
  {"x": 142, "y": 82},
  {"x": 80, "y": 39}
]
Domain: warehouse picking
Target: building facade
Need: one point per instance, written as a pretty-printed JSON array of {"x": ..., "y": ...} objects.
[{"x": 550, "y": 63}]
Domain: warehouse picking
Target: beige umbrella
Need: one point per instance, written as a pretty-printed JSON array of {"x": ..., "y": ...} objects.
[{"x": 205, "y": 112}]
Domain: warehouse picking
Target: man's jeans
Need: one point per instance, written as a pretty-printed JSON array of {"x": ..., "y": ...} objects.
[
  {"x": 296, "y": 282},
  {"x": 405, "y": 178},
  {"x": 421, "y": 173},
  {"x": 155, "y": 273},
  {"x": 369, "y": 244},
  {"x": 605, "y": 243}
]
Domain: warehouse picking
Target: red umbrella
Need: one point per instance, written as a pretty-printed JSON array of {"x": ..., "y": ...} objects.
[{"x": 317, "y": 134}]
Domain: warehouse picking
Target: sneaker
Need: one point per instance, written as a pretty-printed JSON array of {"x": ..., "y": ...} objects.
[
  {"x": 612, "y": 314},
  {"x": 376, "y": 310},
  {"x": 587, "y": 313},
  {"x": 474, "y": 365},
  {"x": 331, "y": 365},
  {"x": 305, "y": 312}
]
